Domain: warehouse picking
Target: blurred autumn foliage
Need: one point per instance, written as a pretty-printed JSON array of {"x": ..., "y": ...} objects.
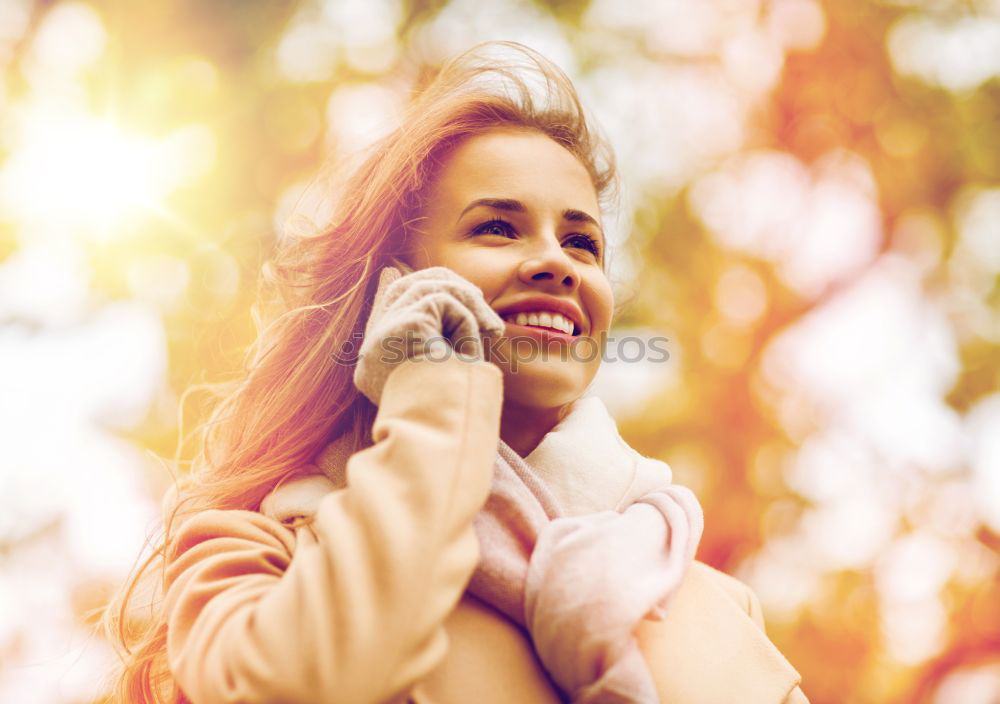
[{"x": 811, "y": 215}]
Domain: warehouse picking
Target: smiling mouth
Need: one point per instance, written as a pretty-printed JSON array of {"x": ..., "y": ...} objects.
[{"x": 544, "y": 320}]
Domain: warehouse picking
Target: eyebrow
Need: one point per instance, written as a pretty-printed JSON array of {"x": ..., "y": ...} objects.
[{"x": 510, "y": 204}]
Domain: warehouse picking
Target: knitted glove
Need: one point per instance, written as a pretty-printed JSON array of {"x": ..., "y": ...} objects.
[{"x": 431, "y": 312}]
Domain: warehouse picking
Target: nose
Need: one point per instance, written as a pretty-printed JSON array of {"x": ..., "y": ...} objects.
[{"x": 550, "y": 264}]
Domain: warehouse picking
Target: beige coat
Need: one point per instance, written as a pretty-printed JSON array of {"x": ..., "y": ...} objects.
[{"x": 372, "y": 607}]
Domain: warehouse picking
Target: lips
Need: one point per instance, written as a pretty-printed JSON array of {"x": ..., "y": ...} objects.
[{"x": 546, "y": 312}]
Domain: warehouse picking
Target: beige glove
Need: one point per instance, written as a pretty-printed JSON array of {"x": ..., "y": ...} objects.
[{"x": 432, "y": 312}]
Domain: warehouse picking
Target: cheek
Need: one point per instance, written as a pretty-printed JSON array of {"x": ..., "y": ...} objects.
[
  {"x": 602, "y": 304},
  {"x": 485, "y": 271}
]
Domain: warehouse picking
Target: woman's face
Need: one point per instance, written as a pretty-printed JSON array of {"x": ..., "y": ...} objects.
[{"x": 516, "y": 214}]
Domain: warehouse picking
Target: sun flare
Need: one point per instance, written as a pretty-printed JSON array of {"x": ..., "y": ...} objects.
[{"x": 94, "y": 176}]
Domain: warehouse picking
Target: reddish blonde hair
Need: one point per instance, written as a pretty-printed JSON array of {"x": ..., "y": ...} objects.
[{"x": 314, "y": 298}]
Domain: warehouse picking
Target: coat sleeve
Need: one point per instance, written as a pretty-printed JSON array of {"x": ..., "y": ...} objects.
[
  {"x": 357, "y": 614},
  {"x": 796, "y": 695},
  {"x": 754, "y": 608}
]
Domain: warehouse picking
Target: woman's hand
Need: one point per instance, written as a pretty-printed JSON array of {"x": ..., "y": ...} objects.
[{"x": 432, "y": 309}]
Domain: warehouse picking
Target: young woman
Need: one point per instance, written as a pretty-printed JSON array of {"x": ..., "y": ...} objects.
[{"x": 443, "y": 515}]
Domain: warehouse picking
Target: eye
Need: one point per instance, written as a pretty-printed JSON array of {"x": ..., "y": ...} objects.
[
  {"x": 586, "y": 242},
  {"x": 495, "y": 226}
]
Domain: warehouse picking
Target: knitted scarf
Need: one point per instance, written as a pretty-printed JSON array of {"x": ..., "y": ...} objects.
[{"x": 579, "y": 542}]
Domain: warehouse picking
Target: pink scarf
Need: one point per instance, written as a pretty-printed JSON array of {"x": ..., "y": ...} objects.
[{"x": 579, "y": 543}]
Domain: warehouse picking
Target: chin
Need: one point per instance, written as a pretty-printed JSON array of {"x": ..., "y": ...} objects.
[{"x": 545, "y": 384}]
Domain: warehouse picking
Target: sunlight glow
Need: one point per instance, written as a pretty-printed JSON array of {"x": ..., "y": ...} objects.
[{"x": 88, "y": 174}]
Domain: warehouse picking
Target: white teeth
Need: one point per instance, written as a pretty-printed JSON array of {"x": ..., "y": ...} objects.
[{"x": 547, "y": 319}]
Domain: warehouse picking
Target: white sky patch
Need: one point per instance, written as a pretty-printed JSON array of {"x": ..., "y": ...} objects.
[
  {"x": 361, "y": 32},
  {"x": 974, "y": 262},
  {"x": 818, "y": 225},
  {"x": 910, "y": 426},
  {"x": 63, "y": 268},
  {"x": 785, "y": 574},
  {"x": 158, "y": 279},
  {"x": 307, "y": 52},
  {"x": 71, "y": 38},
  {"x": 913, "y": 630},
  {"x": 886, "y": 323},
  {"x": 957, "y": 54},
  {"x": 366, "y": 29},
  {"x": 753, "y": 61},
  {"x": 796, "y": 24},
  {"x": 76, "y": 497},
  {"x": 106, "y": 369},
  {"x": 909, "y": 577},
  {"x": 740, "y": 295},
  {"x": 916, "y": 567},
  {"x": 676, "y": 27},
  {"x": 978, "y": 222},
  {"x": 640, "y": 364},
  {"x": 359, "y": 113},
  {"x": 983, "y": 424},
  {"x": 87, "y": 368},
  {"x": 879, "y": 356},
  {"x": 463, "y": 23},
  {"x": 743, "y": 43},
  {"x": 59, "y": 661},
  {"x": 696, "y": 30},
  {"x": 877, "y": 359},
  {"x": 829, "y": 466},
  {"x": 666, "y": 125},
  {"x": 850, "y": 531},
  {"x": 970, "y": 685}
]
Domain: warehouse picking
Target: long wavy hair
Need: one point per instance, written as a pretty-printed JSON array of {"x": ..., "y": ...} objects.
[{"x": 314, "y": 296}]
